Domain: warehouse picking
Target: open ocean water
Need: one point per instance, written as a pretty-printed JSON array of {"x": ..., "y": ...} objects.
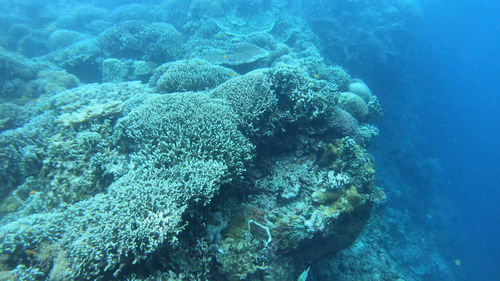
[
  {"x": 340, "y": 140},
  {"x": 461, "y": 122}
]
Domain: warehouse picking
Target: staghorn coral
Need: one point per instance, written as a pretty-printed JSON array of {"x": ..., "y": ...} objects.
[
  {"x": 189, "y": 75},
  {"x": 123, "y": 226},
  {"x": 175, "y": 171},
  {"x": 269, "y": 99},
  {"x": 208, "y": 131},
  {"x": 61, "y": 148},
  {"x": 302, "y": 98},
  {"x": 250, "y": 97},
  {"x": 279, "y": 97}
]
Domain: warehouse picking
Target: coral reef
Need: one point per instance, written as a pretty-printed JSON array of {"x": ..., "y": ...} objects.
[
  {"x": 174, "y": 171},
  {"x": 189, "y": 75},
  {"x": 239, "y": 154},
  {"x": 241, "y": 56},
  {"x": 157, "y": 42},
  {"x": 114, "y": 70},
  {"x": 62, "y": 38},
  {"x": 51, "y": 82},
  {"x": 117, "y": 70},
  {"x": 131, "y": 137},
  {"x": 359, "y": 88},
  {"x": 302, "y": 209},
  {"x": 348, "y": 40},
  {"x": 354, "y": 104},
  {"x": 250, "y": 97},
  {"x": 16, "y": 71}
]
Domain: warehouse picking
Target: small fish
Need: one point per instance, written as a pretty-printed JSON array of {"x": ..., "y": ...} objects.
[
  {"x": 316, "y": 76},
  {"x": 458, "y": 262},
  {"x": 224, "y": 56},
  {"x": 303, "y": 275},
  {"x": 32, "y": 252}
]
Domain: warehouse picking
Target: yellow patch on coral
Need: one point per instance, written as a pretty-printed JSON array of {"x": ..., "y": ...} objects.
[
  {"x": 353, "y": 196},
  {"x": 329, "y": 153},
  {"x": 237, "y": 223},
  {"x": 349, "y": 200},
  {"x": 370, "y": 170},
  {"x": 325, "y": 196}
]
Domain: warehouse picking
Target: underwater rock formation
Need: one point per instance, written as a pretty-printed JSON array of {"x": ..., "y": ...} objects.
[
  {"x": 126, "y": 176},
  {"x": 239, "y": 155}
]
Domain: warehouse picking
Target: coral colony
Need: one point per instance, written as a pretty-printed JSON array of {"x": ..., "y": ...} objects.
[{"x": 172, "y": 141}]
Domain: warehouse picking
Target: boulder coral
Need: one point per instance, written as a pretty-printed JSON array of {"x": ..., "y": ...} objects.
[
  {"x": 358, "y": 87},
  {"x": 354, "y": 104}
]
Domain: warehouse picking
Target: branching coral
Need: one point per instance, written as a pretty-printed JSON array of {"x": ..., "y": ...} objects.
[{"x": 189, "y": 75}]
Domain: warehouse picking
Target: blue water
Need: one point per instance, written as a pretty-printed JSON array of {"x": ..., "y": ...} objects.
[
  {"x": 460, "y": 65},
  {"x": 433, "y": 65}
]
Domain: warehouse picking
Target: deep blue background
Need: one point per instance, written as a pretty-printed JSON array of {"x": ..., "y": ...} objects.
[{"x": 458, "y": 65}]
